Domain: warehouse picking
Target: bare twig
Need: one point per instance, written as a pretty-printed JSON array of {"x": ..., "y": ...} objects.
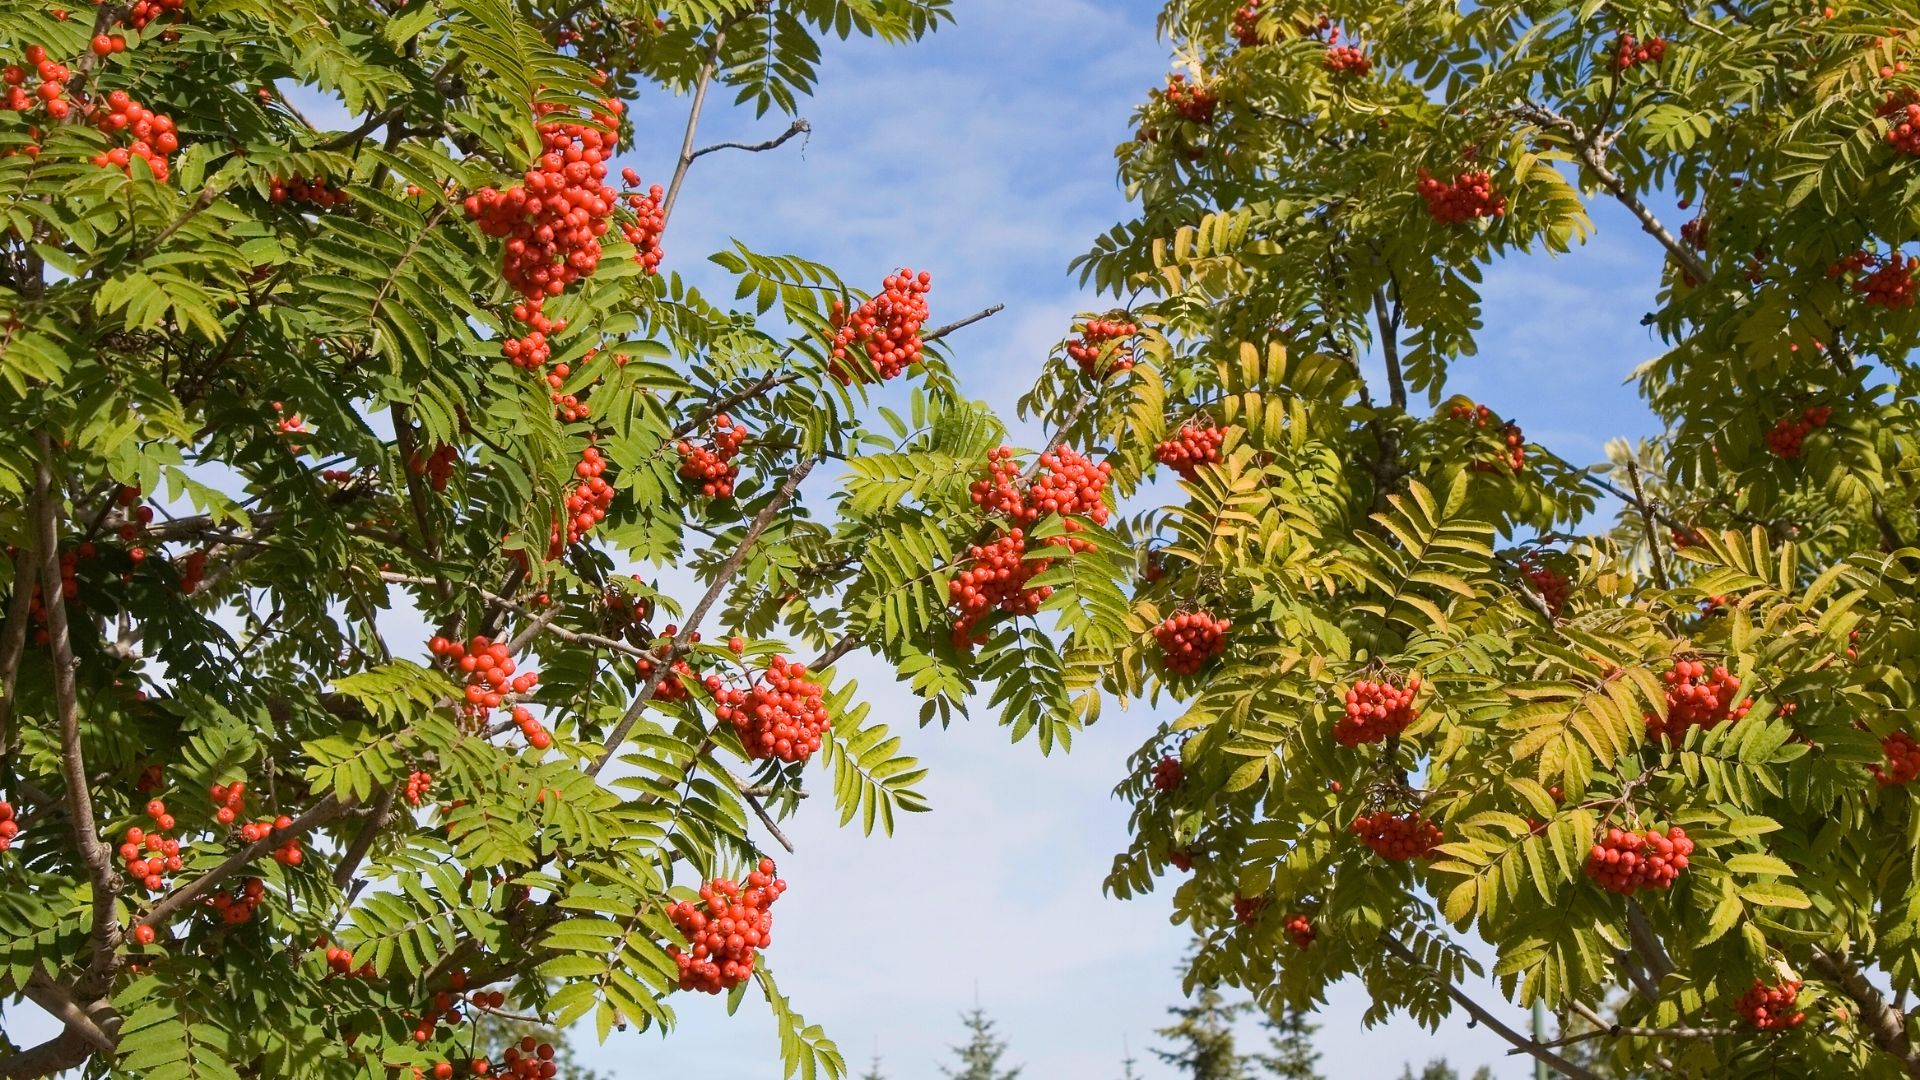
[
  {"x": 760, "y": 811},
  {"x": 799, "y": 127},
  {"x": 1886, "y": 1024},
  {"x": 687, "y": 154},
  {"x": 1491, "y": 1022},
  {"x": 1653, "y": 533}
]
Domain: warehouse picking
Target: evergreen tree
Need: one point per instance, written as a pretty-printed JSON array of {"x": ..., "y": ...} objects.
[
  {"x": 980, "y": 1057},
  {"x": 1127, "y": 1062},
  {"x": 1202, "y": 1038},
  {"x": 873, "y": 1071},
  {"x": 1290, "y": 1054}
]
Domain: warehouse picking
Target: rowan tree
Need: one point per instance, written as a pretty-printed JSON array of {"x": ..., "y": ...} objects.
[
  {"x": 369, "y": 487},
  {"x": 1437, "y": 692}
]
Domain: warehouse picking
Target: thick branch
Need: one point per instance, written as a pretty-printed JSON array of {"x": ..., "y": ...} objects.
[
  {"x": 722, "y": 579},
  {"x": 1491, "y": 1022},
  {"x": 356, "y": 852},
  {"x": 1646, "y": 944},
  {"x": 73, "y": 763},
  {"x": 1390, "y": 349},
  {"x": 1886, "y": 1024},
  {"x": 14, "y": 644},
  {"x": 1653, "y": 537},
  {"x": 64, "y": 1051}
]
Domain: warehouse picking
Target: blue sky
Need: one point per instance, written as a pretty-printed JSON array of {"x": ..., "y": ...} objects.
[{"x": 985, "y": 155}]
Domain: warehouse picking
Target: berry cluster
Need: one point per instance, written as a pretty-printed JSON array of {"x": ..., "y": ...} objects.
[
  {"x": 994, "y": 576},
  {"x": 236, "y": 907},
  {"x": 1771, "y": 1008},
  {"x": 1300, "y": 929},
  {"x": 1902, "y": 113},
  {"x": 1095, "y": 336},
  {"x": 1890, "y": 285},
  {"x": 1697, "y": 698},
  {"x": 782, "y": 715},
  {"x": 1470, "y": 195},
  {"x": 886, "y": 328},
  {"x": 649, "y": 220},
  {"x": 1190, "y": 448},
  {"x": 1694, "y": 233},
  {"x": 340, "y": 961},
  {"x": 587, "y": 501},
  {"x": 1903, "y": 760},
  {"x": 151, "y": 855},
  {"x": 1347, "y": 61},
  {"x": 288, "y": 853},
  {"x": 711, "y": 466},
  {"x": 437, "y": 467},
  {"x": 50, "y": 91},
  {"x": 1168, "y": 773},
  {"x": 1789, "y": 434},
  {"x": 418, "y": 784},
  {"x": 730, "y": 924},
  {"x": 554, "y": 218},
  {"x": 1246, "y": 24},
  {"x": 1628, "y": 52},
  {"x": 9, "y": 828},
  {"x": 672, "y": 686},
  {"x": 1190, "y": 639},
  {"x": 1247, "y": 909},
  {"x": 491, "y": 676},
  {"x": 1513, "y": 451},
  {"x": 530, "y": 1059},
  {"x": 1551, "y": 584},
  {"x": 193, "y": 571},
  {"x": 154, "y": 136},
  {"x": 1397, "y": 836},
  {"x": 315, "y": 191},
  {"x": 1625, "y": 861},
  {"x": 1376, "y": 711},
  {"x": 1193, "y": 102},
  {"x": 143, "y": 12}
]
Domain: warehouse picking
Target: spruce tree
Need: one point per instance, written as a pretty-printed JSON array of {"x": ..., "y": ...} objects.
[
  {"x": 1290, "y": 1054},
  {"x": 980, "y": 1058},
  {"x": 1202, "y": 1037},
  {"x": 1439, "y": 1069}
]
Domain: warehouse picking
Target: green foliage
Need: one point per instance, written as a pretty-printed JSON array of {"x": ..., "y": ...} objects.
[{"x": 979, "y": 1057}]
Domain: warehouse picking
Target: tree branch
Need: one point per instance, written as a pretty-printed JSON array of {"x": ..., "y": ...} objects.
[
  {"x": 1653, "y": 538},
  {"x": 687, "y": 153},
  {"x": 799, "y": 127},
  {"x": 105, "y": 938},
  {"x": 1390, "y": 349},
  {"x": 677, "y": 645},
  {"x": 174, "y": 902},
  {"x": 1492, "y": 1023},
  {"x": 1886, "y": 1024}
]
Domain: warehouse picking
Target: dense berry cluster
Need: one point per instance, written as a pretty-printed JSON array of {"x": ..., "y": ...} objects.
[
  {"x": 1095, "y": 336},
  {"x": 1901, "y": 110},
  {"x": 1628, "y": 52},
  {"x": 1697, "y": 698},
  {"x": 730, "y": 924},
  {"x": 48, "y": 92},
  {"x": 554, "y": 218},
  {"x": 1347, "y": 61},
  {"x": 1246, "y": 24},
  {"x": 9, "y": 828},
  {"x": 1694, "y": 233},
  {"x": 1193, "y": 102},
  {"x": 1789, "y": 433},
  {"x": 419, "y": 783},
  {"x": 1397, "y": 836},
  {"x": 1771, "y": 1008},
  {"x": 995, "y": 574},
  {"x": 315, "y": 191},
  {"x": 492, "y": 678},
  {"x": 152, "y": 136},
  {"x": 782, "y": 715},
  {"x": 1625, "y": 861},
  {"x": 1190, "y": 639},
  {"x": 1470, "y": 195},
  {"x": 711, "y": 466},
  {"x": 1882, "y": 281},
  {"x": 1300, "y": 929},
  {"x": 142, "y": 12},
  {"x": 530, "y": 1059},
  {"x": 1376, "y": 711},
  {"x": 1513, "y": 444},
  {"x": 150, "y": 855},
  {"x": 1903, "y": 760},
  {"x": 587, "y": 501},
  {"x": 885, "y": 328},
  {"x": 1193, "y": 446},
  {"x": 1168, "y": 774},
  {"x": 1551, "y": 584},
  {"x": 236, "y": 907}
]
